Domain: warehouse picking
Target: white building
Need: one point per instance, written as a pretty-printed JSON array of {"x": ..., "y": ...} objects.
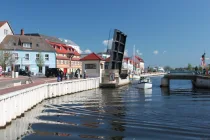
[
  {"x": 93, "y": 65},
  {"x": 127, "y": 64},
  {"x": 5, "y": 30}
]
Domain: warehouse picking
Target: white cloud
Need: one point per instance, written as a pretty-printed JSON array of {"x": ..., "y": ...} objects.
[
  {"x": 126, "y": 53},
  {"x": 155, "y": 52},
  {"x": 108, "y": 42},
  {"x": 77, "y": 48},
  {"x": 138, "y": 52},
  {"x": 164, "y": 52},
  {"x": 87, "y": 51}
]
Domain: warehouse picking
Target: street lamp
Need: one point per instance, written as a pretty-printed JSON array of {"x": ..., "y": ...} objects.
[{"x": 70, "y": 55}]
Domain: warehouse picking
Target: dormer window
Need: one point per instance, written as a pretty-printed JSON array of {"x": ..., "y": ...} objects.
[{"x": 27, "y": 45}]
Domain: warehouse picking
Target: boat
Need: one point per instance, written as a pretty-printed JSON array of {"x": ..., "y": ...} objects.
[{"x": 144, "y": 83}]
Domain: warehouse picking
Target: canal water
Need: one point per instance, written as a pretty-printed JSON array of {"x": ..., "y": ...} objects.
[{"x": 126, "y": 113}]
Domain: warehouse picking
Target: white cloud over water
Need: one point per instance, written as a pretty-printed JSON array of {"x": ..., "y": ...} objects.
[{"x": 155, "y": 52}]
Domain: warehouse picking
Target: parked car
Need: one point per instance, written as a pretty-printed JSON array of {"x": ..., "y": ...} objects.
[
  {"x": 52, "y": 72},
  {"x": 23, "y": 72}
]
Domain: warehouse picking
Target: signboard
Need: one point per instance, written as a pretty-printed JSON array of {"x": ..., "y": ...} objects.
[
  {"x": 117, "y": 50},
  {"x": 111, "y": 77}
]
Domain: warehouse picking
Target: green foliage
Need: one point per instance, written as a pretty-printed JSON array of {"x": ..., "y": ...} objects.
[
  {"x": 168, "y": 68},
  {"x": 6, "y": 59},
  {"x": 40, "y": 61},
  {"x": 189, "y": 67}
]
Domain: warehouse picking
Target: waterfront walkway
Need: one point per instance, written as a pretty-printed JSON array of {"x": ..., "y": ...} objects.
[{"x": 37, "y": 81}]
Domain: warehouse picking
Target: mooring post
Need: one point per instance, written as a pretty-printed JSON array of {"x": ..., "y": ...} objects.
[{"x": 164, "y": 82}]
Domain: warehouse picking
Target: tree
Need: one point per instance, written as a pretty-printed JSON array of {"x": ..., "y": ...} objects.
[
  {"x": 7, "y": 59},
  {"x": 168, "y": 68},
  {"x": 40, "y": 61},
  {"x": 189, "y": 67},
  {"x": 200, "y": 68}
]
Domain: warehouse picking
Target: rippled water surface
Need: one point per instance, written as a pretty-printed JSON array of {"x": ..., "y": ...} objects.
[{"x": 125, "y": 113}]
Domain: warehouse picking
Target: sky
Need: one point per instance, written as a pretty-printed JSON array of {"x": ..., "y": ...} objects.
[{"x": 164, "y": 32}]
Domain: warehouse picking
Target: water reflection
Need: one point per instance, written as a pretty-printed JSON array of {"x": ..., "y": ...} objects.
[{"x": 126, "y": 113}]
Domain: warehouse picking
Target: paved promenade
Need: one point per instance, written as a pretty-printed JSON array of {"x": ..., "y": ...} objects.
[{"x": 8, "y": 80}]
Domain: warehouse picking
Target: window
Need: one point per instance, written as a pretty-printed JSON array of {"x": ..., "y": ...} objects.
[
  {"x": 37, "y": 45},
  {"x": 37, "y": 56},
  {"x": 5, "y": 31},
  {"x": 15, "y": 56},
  {"x": 90, "y": 66},
  {"x": 27, "y": 45},
  {"x": 26, "y": 56},
  {"x": 47, "y": 57}
]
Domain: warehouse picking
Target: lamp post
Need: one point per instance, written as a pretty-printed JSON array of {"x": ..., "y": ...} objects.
[{"x": 70, "y": 56}]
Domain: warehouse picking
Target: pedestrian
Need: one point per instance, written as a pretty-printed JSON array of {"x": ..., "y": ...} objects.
[
  {"x": 58, "y": 77},
  {"x": 84, "y": 74},
  {"x": 61, "y": 75},
  {"x": 29, "y": 77}
]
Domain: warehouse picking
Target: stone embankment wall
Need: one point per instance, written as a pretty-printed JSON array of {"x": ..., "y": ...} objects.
[{"x": 14, "y": 104}]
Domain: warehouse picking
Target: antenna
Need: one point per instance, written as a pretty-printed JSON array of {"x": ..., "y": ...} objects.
[{"x": 108, "y": 39}]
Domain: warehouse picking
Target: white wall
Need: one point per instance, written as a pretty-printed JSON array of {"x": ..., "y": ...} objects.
[
  {"x": 2, "y": 35},
  {"x": 92, "y": 72},
  {"x": 142, "y": 65}
]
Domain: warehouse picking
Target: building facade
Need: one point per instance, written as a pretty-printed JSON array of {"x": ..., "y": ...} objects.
[
  {"x": 31, "y": 53},
  {"x": 5, "y": 30},
  {"x": 67, "y": 57},
  {"x": 93, "y": 65}
]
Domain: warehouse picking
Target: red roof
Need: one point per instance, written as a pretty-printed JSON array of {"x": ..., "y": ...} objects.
[
  {"x": 139, "y": 59},
  {"x": 62, "y": 58},
  {"x": 92, "y": 56},
  {"x": 2, "y": 23},
  {"x": 64, "y": 49},
  {"x": 108, "y": 59}
]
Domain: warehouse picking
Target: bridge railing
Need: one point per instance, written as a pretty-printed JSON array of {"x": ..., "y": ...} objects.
[{"x": 174, "y": 72}]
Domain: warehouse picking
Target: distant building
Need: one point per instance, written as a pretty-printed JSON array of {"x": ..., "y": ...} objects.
[
  {"x": 5, "y": 29},
  {"x": 104, "y": 55},
  {"x": 27, "y": 49},
  {"x": 63, "y": 48}
]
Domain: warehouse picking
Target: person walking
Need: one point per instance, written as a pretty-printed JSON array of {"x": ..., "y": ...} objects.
[
  {"x": 61, "y": 74},
  {"x": 58, "y": 77},
  {"x": 84, "y": 74}
]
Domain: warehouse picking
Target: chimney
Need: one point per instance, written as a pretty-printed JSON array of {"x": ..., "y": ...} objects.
[{"x": 22, "y": 32}]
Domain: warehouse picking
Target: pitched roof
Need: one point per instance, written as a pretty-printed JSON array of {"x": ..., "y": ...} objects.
[
  {"x": 91, "y": 56},
  {"x": 63, "y": 48},
  {"x": 12, "y": 42},
  {"x": 4, "y": 22},
  {"x": 49, "y": 38},
  {"x": 139, "y": 59},
  {"x": 108, "y": 59}
]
